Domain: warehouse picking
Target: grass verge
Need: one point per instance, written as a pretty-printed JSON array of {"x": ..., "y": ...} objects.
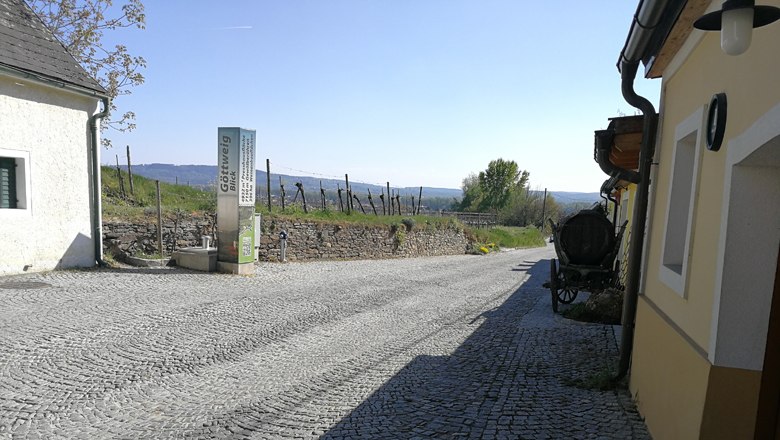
[{"x": 507, "y": 237}]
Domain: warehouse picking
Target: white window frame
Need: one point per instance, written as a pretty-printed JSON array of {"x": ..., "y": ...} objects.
[
  {"x": 23, "y": 187},
  {"x": 681, "y": 201}
]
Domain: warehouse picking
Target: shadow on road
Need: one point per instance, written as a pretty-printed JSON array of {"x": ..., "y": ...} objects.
[{"x": 512, "y": 377}]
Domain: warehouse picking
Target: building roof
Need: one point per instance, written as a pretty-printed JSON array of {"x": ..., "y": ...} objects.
[{"x": 27, "y": 45}]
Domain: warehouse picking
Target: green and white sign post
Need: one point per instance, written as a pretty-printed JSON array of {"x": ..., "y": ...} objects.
[{"x": 236, "y": 200}]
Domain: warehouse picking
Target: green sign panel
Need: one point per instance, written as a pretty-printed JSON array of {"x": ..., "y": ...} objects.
[{"x": 235, "y": 195}]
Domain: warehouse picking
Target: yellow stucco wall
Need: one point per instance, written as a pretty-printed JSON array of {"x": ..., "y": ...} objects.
[
  {"x": 668, "y": 378},
  {"x": 678, "y": 391},
  {"x": 707, "y": 71},
  {"x": 730, "y": 408}
]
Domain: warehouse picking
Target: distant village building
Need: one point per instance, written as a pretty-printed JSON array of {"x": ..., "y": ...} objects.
[{"x": 49, "y": 149}]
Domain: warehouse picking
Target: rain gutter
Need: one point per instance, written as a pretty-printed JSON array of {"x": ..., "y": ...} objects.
[
  {"x": 651, "y": 25},
  {"x": 97, "y": 226},
  {"x": 51, "y": 82}
]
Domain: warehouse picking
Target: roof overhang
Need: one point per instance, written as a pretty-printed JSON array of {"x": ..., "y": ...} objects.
[
  {"x": 627, "y": 141},
  {"x": 617, "y": 149},
  {"x": 51, "y": 82},
  {"x": 682, "y": 29}
]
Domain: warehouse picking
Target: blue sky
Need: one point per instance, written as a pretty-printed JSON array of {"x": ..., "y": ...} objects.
[{"x": 415, "y": 92}]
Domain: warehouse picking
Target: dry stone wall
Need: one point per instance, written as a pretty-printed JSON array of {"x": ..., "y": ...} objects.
[
  {"x": 307, "y": 240},
  {"x": 314, "y": 240},
  {"x": 123, "y": 238}
]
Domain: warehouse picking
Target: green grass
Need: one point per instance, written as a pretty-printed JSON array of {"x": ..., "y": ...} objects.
[
  {"x": 143, "y": 202},
  {"x": 508, "y": 237},
  {"x": 336, "y": 216},
  {"x": 181, "y": 198},
  {"x": 603, "y": 380}
]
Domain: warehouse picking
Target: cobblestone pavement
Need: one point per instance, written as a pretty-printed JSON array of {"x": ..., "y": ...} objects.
[{"x": 442, "y": 347}]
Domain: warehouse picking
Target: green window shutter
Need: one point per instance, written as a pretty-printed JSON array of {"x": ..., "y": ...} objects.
[{"x": 7, "y": 183}]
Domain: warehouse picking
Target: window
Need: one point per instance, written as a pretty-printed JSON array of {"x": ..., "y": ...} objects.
[
  {"x": 7, "y": 183},
  {"x": 14, "y": 181},
  {"x": 680, "y": 208}
]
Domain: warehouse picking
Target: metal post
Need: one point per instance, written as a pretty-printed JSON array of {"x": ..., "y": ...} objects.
[{"x": 283, "y": 246}]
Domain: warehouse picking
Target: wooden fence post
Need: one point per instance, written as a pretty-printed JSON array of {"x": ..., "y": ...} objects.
[
  {"x": 159, "y": 220},
  {"x": 268, "y": 181},
  {"x": 281, "y": 185},
  {"x": 349, "y": 195},
  {"x": 371, "y": 201},
  {"x": 419, "y": 202},
  {"x": 322, "y": 195},
  {"x": 359, "y": 204},
  {"x": 130, "y": 172},
  {"x": 341, "y": 201},
  {"x": 119, "y": 178}
]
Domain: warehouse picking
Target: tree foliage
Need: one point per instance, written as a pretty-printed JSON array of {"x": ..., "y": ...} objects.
[
  {"x": 80, "y": 26},
  {"x": 498, "y": 182},
  {"x": 503, "y": 188},
  {"x": 490, "y": 190}
]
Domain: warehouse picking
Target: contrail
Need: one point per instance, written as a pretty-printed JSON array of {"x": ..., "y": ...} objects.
[{"x": 227, "y": 28}]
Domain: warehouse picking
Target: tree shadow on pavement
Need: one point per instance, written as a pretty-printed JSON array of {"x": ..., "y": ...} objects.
[{"x": 511, "y": 378}]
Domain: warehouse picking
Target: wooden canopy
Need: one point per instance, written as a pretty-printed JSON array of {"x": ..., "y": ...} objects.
[{"x": 628, "y": 141}]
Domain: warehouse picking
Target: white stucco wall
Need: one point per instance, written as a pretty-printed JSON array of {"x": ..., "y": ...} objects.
[{"x": 49, "y": 126}]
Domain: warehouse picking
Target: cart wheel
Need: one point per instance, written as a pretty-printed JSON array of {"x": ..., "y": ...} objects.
[
  {"x": 567, "y": 296},
  {"x": 554, "y": 285}
]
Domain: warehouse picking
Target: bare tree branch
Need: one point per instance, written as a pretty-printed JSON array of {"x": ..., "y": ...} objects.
[{"x": 80, "y": 25}]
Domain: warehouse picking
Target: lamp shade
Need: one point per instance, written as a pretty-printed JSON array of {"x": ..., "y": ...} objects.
[
  {"x": 736, "y": 21},
  {"x": 736, "y": 30}
]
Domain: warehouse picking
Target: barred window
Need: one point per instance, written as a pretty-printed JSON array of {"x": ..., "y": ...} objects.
[{"x": 8, "y": 196}]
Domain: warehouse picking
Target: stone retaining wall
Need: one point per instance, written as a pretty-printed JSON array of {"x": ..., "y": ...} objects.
[
  {"x": 310, "y": 240},
  {"x": 121, "y": 238},
  {"x": 306, "y": 240}
]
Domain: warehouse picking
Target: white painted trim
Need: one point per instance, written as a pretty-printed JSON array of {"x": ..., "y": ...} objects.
[
  {"x": 693, "y": 124},
  {"x": 739, "y": 148},
  {"x": 26, "y": 202}
]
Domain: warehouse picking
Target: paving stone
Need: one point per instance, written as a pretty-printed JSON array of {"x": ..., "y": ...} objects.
[{"x": 440, "y": 347}]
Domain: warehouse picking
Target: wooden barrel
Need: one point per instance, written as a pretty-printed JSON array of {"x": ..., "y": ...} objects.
[{"x": 587, "y": 237}]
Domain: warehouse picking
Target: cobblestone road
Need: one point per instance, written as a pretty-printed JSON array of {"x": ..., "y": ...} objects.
[{"x": 444, "y": 347}]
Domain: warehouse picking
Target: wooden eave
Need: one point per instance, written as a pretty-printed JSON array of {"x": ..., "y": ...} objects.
[
  {"x": 627, "y": 141},
  {"x": 680, "y": 32}
]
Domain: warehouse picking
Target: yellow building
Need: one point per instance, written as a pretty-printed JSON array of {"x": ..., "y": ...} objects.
[{"x": 705, "y": 361}]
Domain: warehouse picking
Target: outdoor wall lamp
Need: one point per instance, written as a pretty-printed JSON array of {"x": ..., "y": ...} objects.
[{"x": 736, "y": 21}]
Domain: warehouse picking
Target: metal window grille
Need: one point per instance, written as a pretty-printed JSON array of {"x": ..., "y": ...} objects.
[{"x": 7, "y": 183}]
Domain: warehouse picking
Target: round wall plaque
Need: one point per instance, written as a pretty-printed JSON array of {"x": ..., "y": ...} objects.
[{"x": 716, "y": 121}]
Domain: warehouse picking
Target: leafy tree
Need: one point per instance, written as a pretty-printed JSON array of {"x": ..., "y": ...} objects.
[
  {"x": 79, "y": 25},
  {"x": 498, "y": 182},
  {"x": 472, "y": 194},
  {"x": 525, "y": 208}
]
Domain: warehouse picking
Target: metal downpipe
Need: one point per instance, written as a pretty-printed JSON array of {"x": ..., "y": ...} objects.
[
  {"x": 97, "y": 228},
  {"x": 647, "y": 150}
]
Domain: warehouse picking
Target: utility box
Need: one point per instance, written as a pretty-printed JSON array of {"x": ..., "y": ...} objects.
[{"x": 235, "y": 200}]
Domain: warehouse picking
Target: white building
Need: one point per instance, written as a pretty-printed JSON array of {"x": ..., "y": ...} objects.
[{"x": 49, "y": 149}]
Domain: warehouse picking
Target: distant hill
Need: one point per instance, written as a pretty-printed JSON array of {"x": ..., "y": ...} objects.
[
  {"x": 564, "y": 197},
  {"x": 205, "y": 175}
]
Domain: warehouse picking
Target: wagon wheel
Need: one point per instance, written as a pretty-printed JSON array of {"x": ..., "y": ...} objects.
[
  {"x": 567, "y": 295},
  {"x": 554, "y": 285}
]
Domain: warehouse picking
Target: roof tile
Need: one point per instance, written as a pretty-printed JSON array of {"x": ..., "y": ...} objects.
[{"x": 27, "y": 44}]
